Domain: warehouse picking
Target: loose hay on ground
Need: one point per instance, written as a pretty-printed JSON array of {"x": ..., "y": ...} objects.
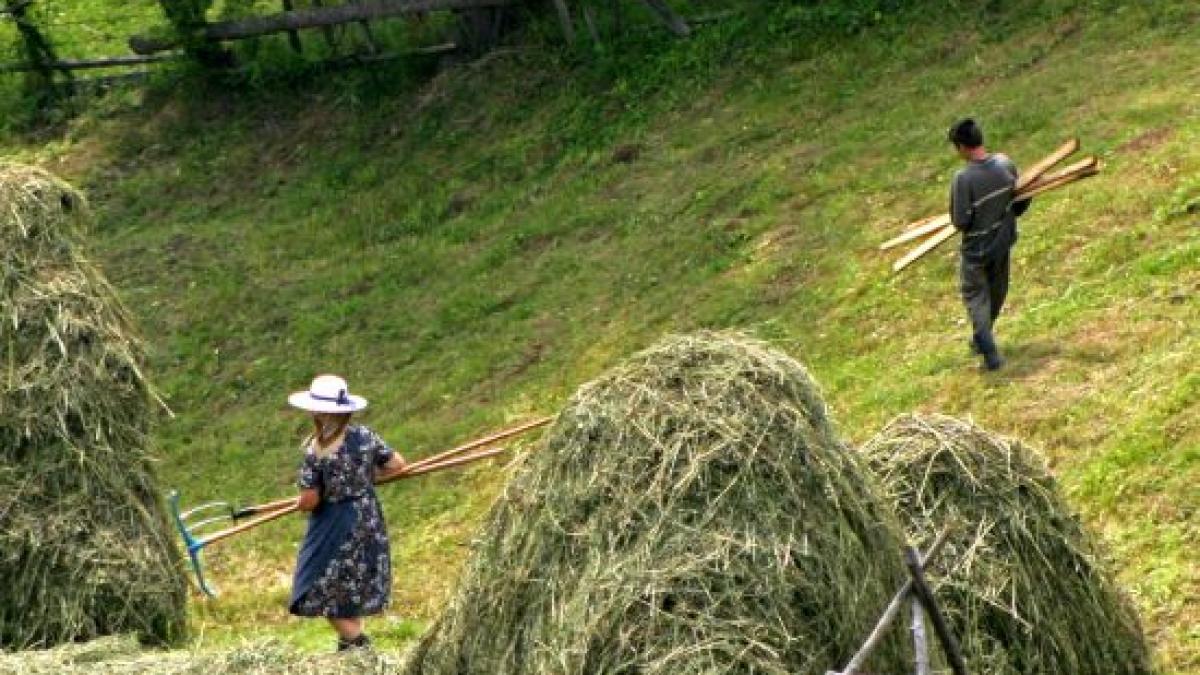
[
  {"x": 84, "y": 547},
  {"x": 124, "y": 656},
  {"x": 1022, "y": 582},
  {"x": 692, "y": 511}
]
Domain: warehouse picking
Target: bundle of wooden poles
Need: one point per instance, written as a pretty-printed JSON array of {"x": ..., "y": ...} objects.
[{"x": 1033, "y": 182}]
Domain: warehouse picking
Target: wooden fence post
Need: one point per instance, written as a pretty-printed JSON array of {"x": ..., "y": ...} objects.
[
  {"x": 293, "y": 36},
  {"x": 564, "y": 20},
  {"x": 668, "y": 16}
]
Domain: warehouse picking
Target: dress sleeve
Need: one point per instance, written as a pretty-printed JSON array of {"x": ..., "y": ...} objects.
[
  {"x": 310, "y": 474},
  {"x": 380, "y": 450}
]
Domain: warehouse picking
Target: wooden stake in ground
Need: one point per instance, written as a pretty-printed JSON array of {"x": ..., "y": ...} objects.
[
  {"x": 920, "y": 643},
  {"x": 890, "y": 613},
  {"x": 912, "y": 558}
]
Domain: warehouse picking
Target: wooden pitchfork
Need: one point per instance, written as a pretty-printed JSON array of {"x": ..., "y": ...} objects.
[
  {"x": 194, "y": 541},
  {"x": 1033, "y": 182}
]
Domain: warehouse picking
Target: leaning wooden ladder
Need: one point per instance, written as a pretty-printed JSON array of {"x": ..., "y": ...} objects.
[{"x": 936, "y": 230}]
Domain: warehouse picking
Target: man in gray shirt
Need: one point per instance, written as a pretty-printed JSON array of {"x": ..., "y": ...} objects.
[{"x": 982, "y": 208}]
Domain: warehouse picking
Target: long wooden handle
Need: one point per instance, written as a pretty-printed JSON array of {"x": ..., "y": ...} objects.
[
  {"x": 292, "y": 504},
  {"x": 250, "y": 524},
  {"x": 262, "y": 508},
  {"x": 485, "y": 441},
  {"x": 447, "y": 464},
  {"x": 1034, "y": 172}
]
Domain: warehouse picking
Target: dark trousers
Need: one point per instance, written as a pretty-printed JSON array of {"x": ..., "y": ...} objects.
[{"x": 984, "y": 286}]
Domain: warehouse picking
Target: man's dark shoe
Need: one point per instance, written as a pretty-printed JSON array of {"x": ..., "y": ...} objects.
[{"x": 992, "y": 361}]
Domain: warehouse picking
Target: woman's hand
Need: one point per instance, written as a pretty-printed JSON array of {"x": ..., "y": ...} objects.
[
  {"x": 395, "y": 465},
  {"x": 310, "y": 499}
]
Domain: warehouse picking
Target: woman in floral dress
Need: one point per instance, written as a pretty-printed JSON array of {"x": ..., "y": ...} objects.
[{"x": 343, "y": 571}]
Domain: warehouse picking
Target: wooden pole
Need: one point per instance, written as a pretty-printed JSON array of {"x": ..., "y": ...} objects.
[
  {"x": 1039, "y": 188},
  {"x": 251, "y": 524},
  {"x": 1089, "y": 162},
  {"x": 590, "y": 21},
  {"x": 927, "y": 246},
  {"x": 312, "y": 17},
  {"x": 293, "y": 36},
  {"x": 912, "y": 558},
  {"x": 1034, "y": 172},
  {"x": 890, "y": 613},
  {"x": 327, "y": 31},
  {"x": 448, "y": 464},
  {"x": 485, "y": 441},
  {"x": 920, "y": 641},
  {"x": 922, "y": 228},
  {"x": 669, "y": 18},
  {"x": 564, "y": 20},
  {"x": 87, "y": 64}
]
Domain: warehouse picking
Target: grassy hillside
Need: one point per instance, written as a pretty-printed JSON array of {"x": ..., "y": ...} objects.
[{"x": 470, "y": 250}]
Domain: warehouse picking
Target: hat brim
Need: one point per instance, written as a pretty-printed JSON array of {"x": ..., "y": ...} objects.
[{"x": 304, "y": 401}]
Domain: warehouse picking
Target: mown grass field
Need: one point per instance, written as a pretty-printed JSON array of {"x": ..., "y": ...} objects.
[{"x": 469, "y": 250}]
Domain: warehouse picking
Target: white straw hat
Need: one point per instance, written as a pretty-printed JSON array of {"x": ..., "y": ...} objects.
[{"x": 327, "y": 394}]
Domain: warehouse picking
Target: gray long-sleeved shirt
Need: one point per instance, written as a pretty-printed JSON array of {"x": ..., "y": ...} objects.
[{"x": 979, "y": 199}]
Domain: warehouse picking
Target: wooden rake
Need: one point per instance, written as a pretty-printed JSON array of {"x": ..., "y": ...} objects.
[
  {"x": 195, "y": 539},
  {"x": 936, "y": 230}
]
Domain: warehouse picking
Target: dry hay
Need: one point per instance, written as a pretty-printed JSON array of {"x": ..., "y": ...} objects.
[
  {"x": 692, "y": 511},
  {"x": 84, "y": 547},
  {"x": 1020, "y": 580},
  {"x": 124, "y": 656}
]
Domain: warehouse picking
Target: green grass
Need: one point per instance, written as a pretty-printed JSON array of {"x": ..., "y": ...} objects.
[{"x": 468, "y": 251}]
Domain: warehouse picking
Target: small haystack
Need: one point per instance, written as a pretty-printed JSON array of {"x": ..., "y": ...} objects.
[
  {"x": 692, "y": 511},
  {"x": 84, "y": 547},
  {"x": 1022, "y": 583}
]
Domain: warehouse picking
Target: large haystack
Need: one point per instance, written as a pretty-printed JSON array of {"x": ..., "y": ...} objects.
[
  {"x": 84, "y": 550},
  {"x": 692, "y": 511},
  {"x": 1021, "y": 580}
]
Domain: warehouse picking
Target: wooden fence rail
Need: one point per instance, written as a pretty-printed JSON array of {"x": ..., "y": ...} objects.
[
  {"x": 90, "y": 64},
  {"x": 314, "y": 17}
]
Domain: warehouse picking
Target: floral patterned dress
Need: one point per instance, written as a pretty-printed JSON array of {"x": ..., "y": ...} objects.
[{"x": 344, "y": 568}]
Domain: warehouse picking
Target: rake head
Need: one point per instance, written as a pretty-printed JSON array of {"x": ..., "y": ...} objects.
[{"x": 188, "y": 530}]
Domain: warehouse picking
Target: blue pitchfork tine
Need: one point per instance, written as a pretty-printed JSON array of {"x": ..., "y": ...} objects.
[
  {"x": 193, "y": 545},
  {"x": 194, "y": 541}
]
